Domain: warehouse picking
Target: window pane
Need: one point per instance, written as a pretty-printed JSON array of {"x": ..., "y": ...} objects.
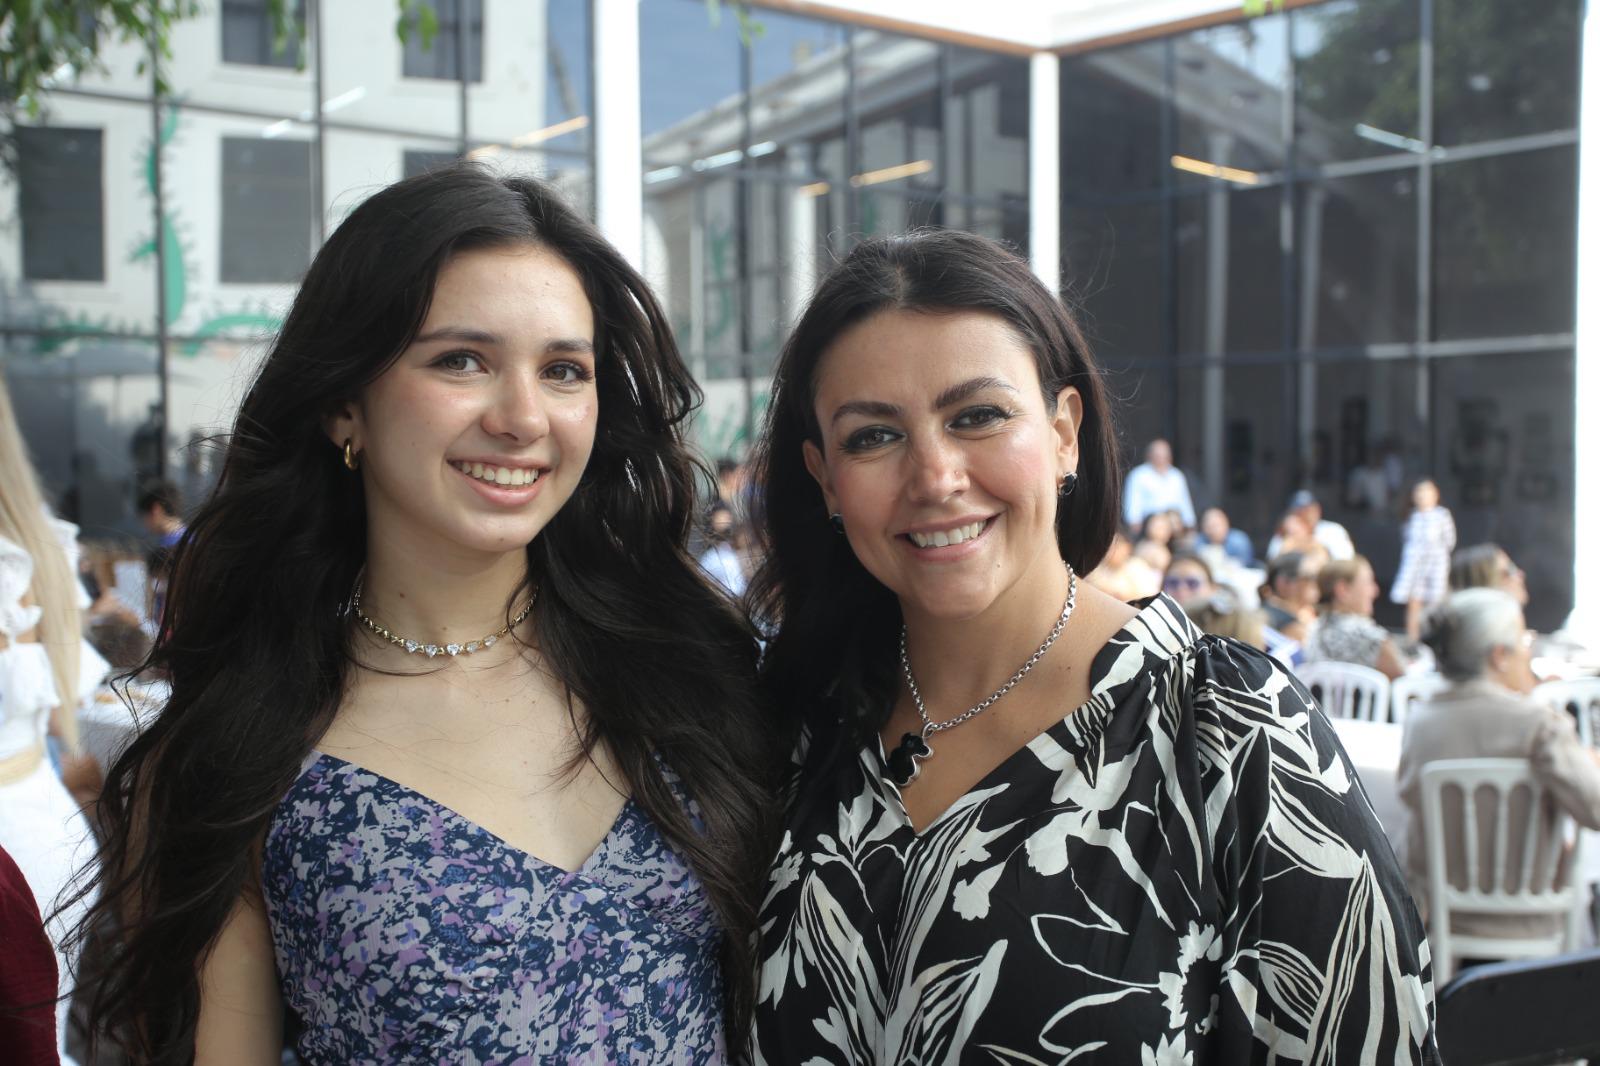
[
  {"x": 1366, "y": 440},
  {"x": 1111, "y": 106},
  {"x": 1504, "y": 251},
  {"x": 1356, "y": 70},
  {"x": 1229, "y": 88},
  {"x": 897, "y": 90},
  {"x": 1358, "y": 247},
  {"x": 247, "y": 35},
  {"x": 1504, "y": 70},
  {"x": 1229, "y": 271},
  {"x": 1235, "y": 442},
  {"x": 225, "y": 59},
  {"x": 266, "y": 209},
  {"x": 507, "y": 109},
  {"x": 1112, "y": 269},
  {"x": 442, "y": 57},
  {"x": 61, "y": 200},
  {"x": 71, "y": 259},
  {"x": 679, "y": 98},
  {"x": 1503, "y": 430},
  {"x": 996, "y": 150}
]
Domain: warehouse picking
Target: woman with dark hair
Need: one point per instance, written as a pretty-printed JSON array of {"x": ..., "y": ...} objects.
[
  {"x": 462, "y": 758},
  {"x": 1181, "y": 867}
]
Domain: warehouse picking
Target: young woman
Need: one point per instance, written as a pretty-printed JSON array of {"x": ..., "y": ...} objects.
[
  {"x": 1031, "y": 823},
  {"x": 45, "y": 671},
  {"x": 1426, "y": 543},
  {"x": 462, "y": 755}
]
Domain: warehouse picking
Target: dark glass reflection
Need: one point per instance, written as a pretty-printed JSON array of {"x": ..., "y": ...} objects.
[
  {"x": 1356, "y": 79},
  {"x": 1505, "y": 245},
  {"x": 1358, "y": 259},
  {"x": 1229, "y": 270},
  {"x": 1503, "y": 432},
  {"x": 1504, "y": 70},
  {"x": 1229, "y": 85},
  {"x": 1111, "y": 106}
]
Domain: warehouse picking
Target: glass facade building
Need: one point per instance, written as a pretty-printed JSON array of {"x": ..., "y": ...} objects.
[
  {"x": 1329, "y": 247},
  {"x": 1334, "y": 248}
]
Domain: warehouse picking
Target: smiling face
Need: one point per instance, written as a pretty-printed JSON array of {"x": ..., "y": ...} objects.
[
  {"x": 941, "y": 455},
  {"x": 478, "y": 434}
]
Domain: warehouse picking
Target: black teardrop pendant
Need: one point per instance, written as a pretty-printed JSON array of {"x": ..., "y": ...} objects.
[{"x": 903, "y": 768}]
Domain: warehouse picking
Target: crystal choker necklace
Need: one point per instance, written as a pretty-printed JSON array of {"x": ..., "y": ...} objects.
[{"x": 418, "y": 647}]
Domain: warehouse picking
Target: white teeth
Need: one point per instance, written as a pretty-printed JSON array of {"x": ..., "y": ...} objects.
[
  {"x": 499, "y": 475},
  {"x": 945, "y": 538}
]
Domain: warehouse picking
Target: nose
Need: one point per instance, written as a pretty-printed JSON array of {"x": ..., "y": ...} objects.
[
  {"x": 517, "y": 411},
  {"x": 938, "y": 471}
]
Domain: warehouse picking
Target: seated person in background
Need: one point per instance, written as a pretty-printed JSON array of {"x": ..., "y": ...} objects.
[
  {"x": 1216, "y": 530},
  {"x": 1220, "y": 613},
  {"x": 1333, "y": 537},
  {"x": 1187, "y": 578},
  {"x": 1488, "y": 566},
  {"x": 1290, "y": 594},
  {"x": 1345, "y": 631},
  {"x": 1156, "y": 535},
  {"x": 1482, "y": 646},
  {"x": 1123, "y": 574}
]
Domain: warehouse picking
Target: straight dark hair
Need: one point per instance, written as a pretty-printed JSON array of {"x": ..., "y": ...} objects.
[
  {"x": 257, "y": 643},
  {"x": 830, "y": 665}
]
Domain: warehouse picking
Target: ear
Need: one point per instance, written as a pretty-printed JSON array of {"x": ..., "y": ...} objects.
[
  {"x": 1067, "y": 420},
  {"x": 344, "y": 423},
  {"x": 817, "y": 467}
]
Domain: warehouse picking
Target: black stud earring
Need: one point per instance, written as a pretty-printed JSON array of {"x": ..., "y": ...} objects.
[
  {"x": 1068, "y": 483},
  {"x": 838, "y": 522}
]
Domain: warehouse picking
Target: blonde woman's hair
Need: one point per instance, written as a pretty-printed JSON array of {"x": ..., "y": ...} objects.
[
  {"x": 23, "y": 522},
  {"x": 1335, "y": 573}
]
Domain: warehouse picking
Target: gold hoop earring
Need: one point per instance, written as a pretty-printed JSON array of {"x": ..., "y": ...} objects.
[{"x": 350, "y": 460}]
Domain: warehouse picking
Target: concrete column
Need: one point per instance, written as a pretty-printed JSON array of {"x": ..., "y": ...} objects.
[
  {"x": 1584, "y": 622},
  {"x": 618, "y": 153},
  {"x": 1044, "y": 168}
]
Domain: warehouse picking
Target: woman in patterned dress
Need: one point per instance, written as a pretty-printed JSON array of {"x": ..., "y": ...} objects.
[
  {"x": 1029, "y": 823},
  {"x": 1424, "y": 577},
  {"x": 462, "y": 759},
  {"x": 1344, "y": 631}
]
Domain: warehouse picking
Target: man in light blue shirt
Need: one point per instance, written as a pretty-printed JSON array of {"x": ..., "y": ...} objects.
[{"x": 1156, "y": 485}]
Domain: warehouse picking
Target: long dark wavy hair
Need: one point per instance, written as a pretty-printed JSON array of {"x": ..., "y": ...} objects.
[
  {"x": 257, "y": 644},
  {"x": 827, "y": 608}
]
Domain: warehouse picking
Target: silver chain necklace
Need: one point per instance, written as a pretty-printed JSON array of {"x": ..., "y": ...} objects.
[
  {"x": 905, "y": 760},
  {"x": 417, "y": 647}
]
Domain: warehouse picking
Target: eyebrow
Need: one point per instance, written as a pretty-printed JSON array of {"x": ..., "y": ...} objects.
[
  {"x": 580, "y": 345},
  {"x": 949, "y": 397}
]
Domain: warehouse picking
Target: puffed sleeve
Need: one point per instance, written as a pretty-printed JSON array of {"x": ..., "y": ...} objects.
[
  {"x": 16, "y": 574},
  {"x": 1324, "y": 955}
]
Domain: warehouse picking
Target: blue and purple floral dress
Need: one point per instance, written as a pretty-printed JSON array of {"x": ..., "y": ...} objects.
[{"x": 405, "y": 933}]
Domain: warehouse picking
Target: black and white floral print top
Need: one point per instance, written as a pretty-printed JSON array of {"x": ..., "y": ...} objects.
[{"x": 1183, "y": 870}]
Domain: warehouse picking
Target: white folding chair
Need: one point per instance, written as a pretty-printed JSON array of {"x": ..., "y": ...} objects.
[
  {"x": 1346, "y": 690},
  {"x": 1579, "y": 697},
  {"x": 1524, "y": 861},
  {"x": 1407, "y": 690}
]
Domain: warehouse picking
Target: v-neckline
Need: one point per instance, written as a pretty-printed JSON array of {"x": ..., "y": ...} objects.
[
  {"x": 1101, "y": 680},
  {"x": 479, "y": 829}
]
